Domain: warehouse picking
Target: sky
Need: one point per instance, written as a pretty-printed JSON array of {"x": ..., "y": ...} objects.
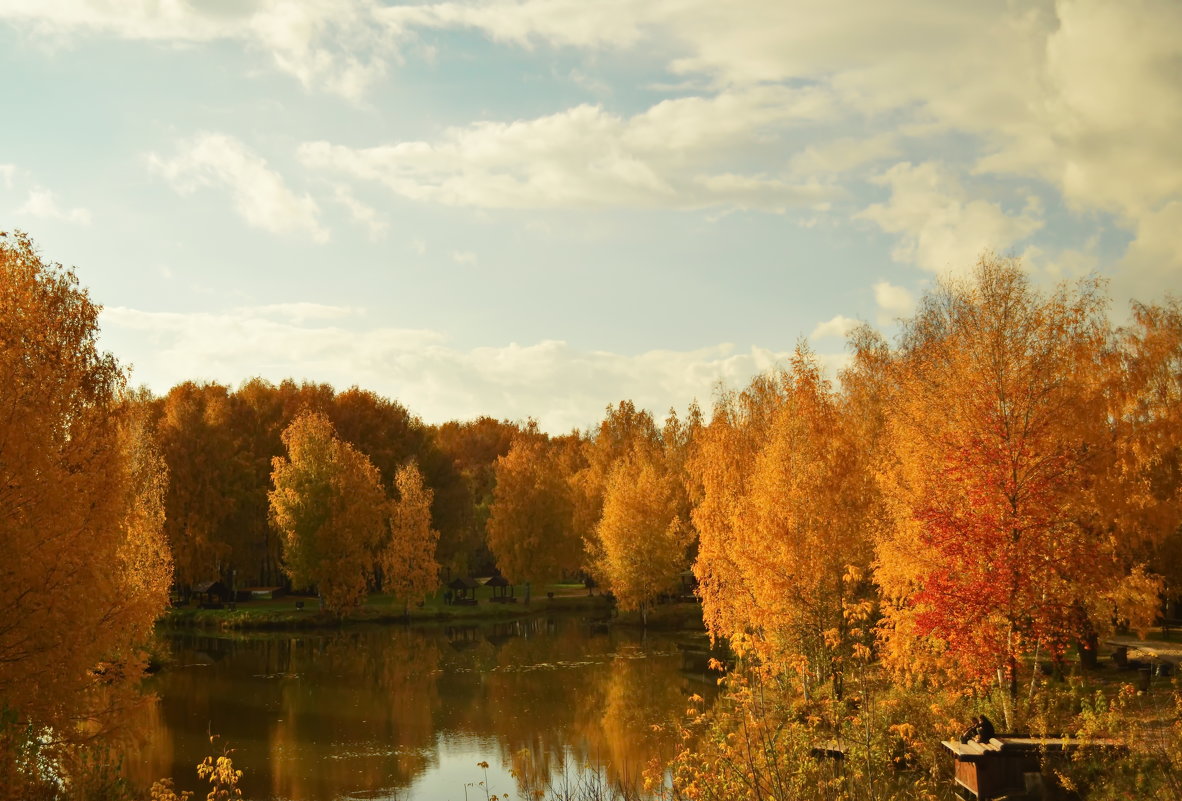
[{"x": 537, "y": 208}]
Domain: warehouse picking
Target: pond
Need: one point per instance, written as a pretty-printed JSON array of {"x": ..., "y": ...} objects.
[{"x": 407, "y": 712}]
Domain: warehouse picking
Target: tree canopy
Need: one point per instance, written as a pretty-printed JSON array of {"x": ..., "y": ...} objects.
[
  {"x": 84, "y": 570},
  {"x": 329, "y": 509}
]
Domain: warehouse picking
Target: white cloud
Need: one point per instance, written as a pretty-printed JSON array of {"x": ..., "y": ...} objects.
[
  {"x": 260, "y": 195},
  {"x": 941, "y": 226},
  {"x": 602, "y": 24},
  {"x": 837, "y": 327},
  {"x": 362, "y": 213},
  {"x": 464, "y": 257},
  {"x": 1055, "y": 265},
  {"x": 7, "y": 173},
  {"x": 342, "y": 46},
  {"x": 419, "y": 368},
  {"x": 301, "y": 312},
  {"x": 680, "y": 153},
  {"x": 43, "y": 203},
  {"x": 894, "y": 302},
  {"x": 1154, "y": 258},
  {"x": 1105, "y": 107},
  {"x": 844, "y": 154},
  {"x": 1083, "y": 94}
]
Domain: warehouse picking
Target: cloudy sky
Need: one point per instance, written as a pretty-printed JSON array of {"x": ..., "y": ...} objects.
[{"x": 539, "y": 207}]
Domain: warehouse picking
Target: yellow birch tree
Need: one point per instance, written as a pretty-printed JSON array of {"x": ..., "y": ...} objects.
[
  {"x": 407, "y": 560},
  {"x": 641, "y": 540},
  {"x": 530, "y": 529},
  {"x": 329, "y": 509},
  {"x": 785, "y": 524}
]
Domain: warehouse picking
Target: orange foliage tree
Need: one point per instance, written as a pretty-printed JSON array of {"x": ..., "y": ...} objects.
[
  {"x": 641, "y": 539},
  {"x": 530, "y": 530},
  {"x": 199, "y": 434},
  {"x": 785, "y": 523},
  {"x": 83, "y": 570},
  {"x": 995, "y": 423},
  {"x": 329, "y": 509},
  {"x": 473, "y": 448},
  {"x": 407, "y": 559},
  {"x": 623, "y": 428},
  {"x": 1139, "y": 491}
]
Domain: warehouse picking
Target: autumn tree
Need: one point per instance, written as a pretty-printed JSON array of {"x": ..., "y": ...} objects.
[
  {"x": 199, "y": 431},
  {"x": 623, "y": 428},
  {"x": 991, "y": 422},
  {"x": 260, "y": 422},
  {"x": 407, "y": 558},
  {"x": 473, "y": 448},
  {"x": 144, "y": 561},
  {"x": 721, "y": 471},
  {"x": 641, "y": 539},
  {"x": 83, "y": 573},
  {"x": 1137, "y": 498},
  {"x": 329, "y": 509},
  {"x": 785, "y": 523},
  {"x": 386, "y": 432},
  {"x": 530, "y": 529}
]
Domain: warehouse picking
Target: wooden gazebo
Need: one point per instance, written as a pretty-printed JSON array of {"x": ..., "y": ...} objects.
[
  {"x": 463, "y": 591},
  {"x": 502, "y": 590},
  {"x": 211, "y": 594}
]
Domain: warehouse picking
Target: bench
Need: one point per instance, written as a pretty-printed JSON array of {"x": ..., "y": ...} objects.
[{"x": 1011, "y": 764}]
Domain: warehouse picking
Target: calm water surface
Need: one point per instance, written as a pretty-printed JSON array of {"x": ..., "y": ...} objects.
[{"x": 407, "y": 712}]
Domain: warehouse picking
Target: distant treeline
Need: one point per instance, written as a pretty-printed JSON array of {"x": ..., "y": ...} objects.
[{"x": 219, "y": 444}]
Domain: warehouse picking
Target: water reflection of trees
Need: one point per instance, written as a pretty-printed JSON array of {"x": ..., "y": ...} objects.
[
  {"x": 359, "y": 715},
  {"x": 561, "y": 699},
  {"x": 363, "y": 712}
]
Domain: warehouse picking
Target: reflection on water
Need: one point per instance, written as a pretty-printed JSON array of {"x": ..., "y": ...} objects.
[{"x": 406, "y": 713}]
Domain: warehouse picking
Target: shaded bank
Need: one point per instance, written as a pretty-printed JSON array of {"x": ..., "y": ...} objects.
[{"x": 300, "y": 613}]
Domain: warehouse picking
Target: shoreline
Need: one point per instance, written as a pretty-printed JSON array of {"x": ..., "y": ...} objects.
[{"x": 283, "y": 616}]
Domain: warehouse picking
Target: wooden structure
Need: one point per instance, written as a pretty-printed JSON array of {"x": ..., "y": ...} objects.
[
  {"x": 502, "y": 590},
  {"x": 211, "y": 594},
  {"x": 1006, "y": 765},
  {"x": 259, "y": 593},
  {"x": 462, "y": 638},
  {"x": 1157, "y": 651},
  {"x": 463, "y": 591}
]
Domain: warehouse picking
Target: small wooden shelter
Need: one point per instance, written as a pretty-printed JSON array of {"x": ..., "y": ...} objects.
[
  {"x": 1011, "y": 765},
  {"x": 463, "y": 591},
  {"x": 462, "y": 638},
  {"x": 211, "y": 594},
  {"x": 502, "y": 590}
]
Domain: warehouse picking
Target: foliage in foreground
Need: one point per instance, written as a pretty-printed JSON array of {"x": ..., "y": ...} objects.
[
  {"x": 762, "y": 740},
  {"x": 84, "y": 571}
]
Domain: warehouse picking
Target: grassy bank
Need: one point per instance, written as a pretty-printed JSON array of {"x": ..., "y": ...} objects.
[{"x": 286, "y": 613}]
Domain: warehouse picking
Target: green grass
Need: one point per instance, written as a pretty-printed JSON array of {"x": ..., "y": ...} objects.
[{"x": 282, "y": 613}]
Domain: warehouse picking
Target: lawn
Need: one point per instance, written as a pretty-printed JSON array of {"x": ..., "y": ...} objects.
[{"x": 299, "y": 611}]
